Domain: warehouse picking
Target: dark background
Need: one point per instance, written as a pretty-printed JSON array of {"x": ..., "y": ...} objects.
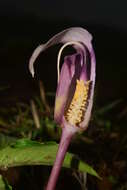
[{"x": 26, "y": 24}]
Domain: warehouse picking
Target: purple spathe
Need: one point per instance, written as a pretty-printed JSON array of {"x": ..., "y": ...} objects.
[
  {"x": 75, "y": 67},
  {"x": 82, "y": 36}
]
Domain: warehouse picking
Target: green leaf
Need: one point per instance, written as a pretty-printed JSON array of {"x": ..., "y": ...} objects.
[
  {"x": 21, "y": 143},
  {"x": 27, "y": 152},
  {"x": 4, "y": 185}
]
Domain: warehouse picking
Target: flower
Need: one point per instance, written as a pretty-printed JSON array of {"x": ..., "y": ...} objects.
[
  {"x": 75, "y": 89},
  {"x": 77, "y": 77}
]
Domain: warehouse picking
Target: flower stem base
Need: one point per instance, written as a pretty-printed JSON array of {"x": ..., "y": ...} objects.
[{"x": 64, "y": 143}]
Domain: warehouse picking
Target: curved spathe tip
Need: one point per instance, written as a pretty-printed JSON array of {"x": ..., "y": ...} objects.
[{"x": 71, "y": 34}]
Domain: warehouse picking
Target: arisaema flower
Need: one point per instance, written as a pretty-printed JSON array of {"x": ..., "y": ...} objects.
[{"x": 75, "y": 88}]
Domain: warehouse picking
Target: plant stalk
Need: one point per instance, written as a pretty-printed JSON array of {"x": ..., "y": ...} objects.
[{"x": 64, "y": 143}]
